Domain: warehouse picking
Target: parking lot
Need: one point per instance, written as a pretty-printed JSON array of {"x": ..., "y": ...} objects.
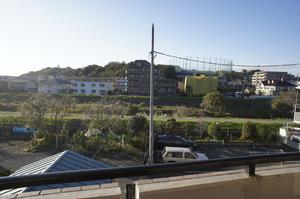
[{"x": 221, "y": 151}]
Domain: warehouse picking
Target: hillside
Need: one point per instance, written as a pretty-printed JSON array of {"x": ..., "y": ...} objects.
[{"x": 112, "y": 69}]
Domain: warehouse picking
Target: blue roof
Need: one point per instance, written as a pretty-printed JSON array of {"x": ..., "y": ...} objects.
[{"x": 64, "y": 161}]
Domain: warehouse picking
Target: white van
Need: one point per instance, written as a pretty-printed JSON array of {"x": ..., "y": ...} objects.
[{"x": 180, "y": 154}]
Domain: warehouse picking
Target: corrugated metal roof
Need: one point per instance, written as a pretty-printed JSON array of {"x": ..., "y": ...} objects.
[{"x": 64, "y": 161}]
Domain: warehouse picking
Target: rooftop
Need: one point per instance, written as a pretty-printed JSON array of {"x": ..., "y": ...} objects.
[{"x": 64, "y": 161}]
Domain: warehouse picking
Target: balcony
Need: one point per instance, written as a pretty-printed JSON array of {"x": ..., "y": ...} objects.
[{"x": 268, "y": 181}]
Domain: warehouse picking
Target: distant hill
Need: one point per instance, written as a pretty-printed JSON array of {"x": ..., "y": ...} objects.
[{"x": 112, "y": 69}]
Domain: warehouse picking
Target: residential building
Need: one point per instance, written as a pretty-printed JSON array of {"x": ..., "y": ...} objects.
[
  {"x": 55, "y": 86},
  {"x": 272, "y": 87},
  {"x": 120, "y": 84},
  {"x": 3, "y": 85},
  {"x": 138, "y": 76},
  {"x": 64, "y": 161},
  {"x": 22, "y": 84},
  {"x": 200, "y": 85},
  {"x": 260, "y": 76},
  {"x": 91, "y": 86}
]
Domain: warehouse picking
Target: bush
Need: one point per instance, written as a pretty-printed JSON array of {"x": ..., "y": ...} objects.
[
  {"x": 172, "y": 126},
  {"x": 213, "y": 103},
  {"x": 133, "y": 110},
  {"x": 214, "y": 130},
  {"x": 4, "y": 171},
  {"x": 137, "y": 123},
  {"x": 249, "y": 131}
]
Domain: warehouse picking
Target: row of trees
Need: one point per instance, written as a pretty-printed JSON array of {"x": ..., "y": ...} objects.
[
  {"x": 249, "y": 131},
  {"x": 281, "y": 105}
]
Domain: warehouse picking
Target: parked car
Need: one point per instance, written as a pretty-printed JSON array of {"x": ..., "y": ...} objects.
[
  {"x": 180, "y": 154},
  {"x": 162, "y": 141}
]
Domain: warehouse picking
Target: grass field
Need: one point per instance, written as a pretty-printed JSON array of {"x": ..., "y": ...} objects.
[{"x": 163, "y": 118}]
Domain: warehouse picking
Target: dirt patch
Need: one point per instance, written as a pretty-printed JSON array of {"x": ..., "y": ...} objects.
[{"x": 13, "y": 154}]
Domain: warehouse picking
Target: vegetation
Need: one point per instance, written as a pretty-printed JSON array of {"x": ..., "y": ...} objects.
[
  {"x": 249, "y": 131},
  {"x": 214, "y": 130},
  {"x": 4, "y": 171},
  {"x": 137, "y": 123},
  {"x": 168, "y": 71},
  {"x": 282, "y": 105},
  {"x": 112, "y": 69},
  {"x": 213, "y": 103}
]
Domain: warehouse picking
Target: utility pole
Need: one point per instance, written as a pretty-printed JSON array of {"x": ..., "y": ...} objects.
[{"x": 151, "y": 137}]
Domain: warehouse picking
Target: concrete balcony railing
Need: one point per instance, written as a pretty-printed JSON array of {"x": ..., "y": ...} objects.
[
  {"x": 279, "y": 181},
  {"x": 271, "y": 182},
  {"x": 268, "y": 183}
]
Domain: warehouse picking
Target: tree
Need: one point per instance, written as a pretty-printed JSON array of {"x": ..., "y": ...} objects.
[
  {"x": 168, "y": 71},
  {"x": 282, "y": 105},
  {"x": 59, "y": 107},
  {"x": 249, "y": 131},
  {"x": 34, "y": 111},
  {"x": 213, "y": 103},
  {"x": 102, "y": 116},
  {"x": 214, "y": 130},
  {"x": 137, "y": 123}
]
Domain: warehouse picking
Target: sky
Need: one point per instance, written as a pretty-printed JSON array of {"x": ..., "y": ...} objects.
[{"x": 35, "y": 34}]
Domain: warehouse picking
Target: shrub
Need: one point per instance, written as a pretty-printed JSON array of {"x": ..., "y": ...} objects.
[
  {"x": 249, "y": 131},
  {"x": 213, "y": 103},
  {"x": 214, "y": 130},
  {"x": 4, "y": 171},
  {"x": 171, "y": 126},
  {"x": 132, "y": 109},
  {"x": 137, "y": 122}
]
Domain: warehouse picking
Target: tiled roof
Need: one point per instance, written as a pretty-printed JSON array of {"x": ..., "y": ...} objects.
[{"x": 64, "y": 161}]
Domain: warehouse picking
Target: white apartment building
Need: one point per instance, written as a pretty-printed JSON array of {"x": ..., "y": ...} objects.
[
  {"x": 260, "y": 76},
  {"x": 95, "y": 87}
]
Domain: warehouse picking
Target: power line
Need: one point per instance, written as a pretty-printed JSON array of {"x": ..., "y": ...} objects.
[{"x": 231, "y": 64}]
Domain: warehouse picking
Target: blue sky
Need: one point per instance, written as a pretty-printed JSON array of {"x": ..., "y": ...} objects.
[{"x": 45, "y": 33}]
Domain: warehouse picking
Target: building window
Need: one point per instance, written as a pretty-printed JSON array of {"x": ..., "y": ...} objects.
[
  {"x": 75, "y": 84},
  {"x": 102, "y": 92},
  {"x": 101, "y": 85},
  {"x": 93, "y": 91},
  {"x": 82, "y": 85},
  {"x": 82, "y": 91},
  {"x": 93, "y": 85}
]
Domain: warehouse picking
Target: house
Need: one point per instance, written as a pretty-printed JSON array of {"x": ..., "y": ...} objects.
[
  {"x": 260, "y": 76},
  {"x": 55, "y": 86},
  {"x": 94, "y": 86},
  {"x": 22, "y": 84},
  {"x": 272, "y": 87},
  {"x": 64, "y": 161}
]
